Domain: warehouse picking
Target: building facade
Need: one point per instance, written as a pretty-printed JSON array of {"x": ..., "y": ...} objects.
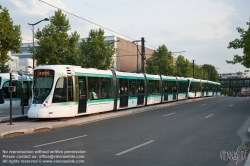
[{"x": 126, "y": 58}]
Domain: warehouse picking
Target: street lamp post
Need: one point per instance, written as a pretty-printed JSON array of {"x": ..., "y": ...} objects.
[
  {"x": 193, "y": 68},
  {"x": 33, "y": 57}
]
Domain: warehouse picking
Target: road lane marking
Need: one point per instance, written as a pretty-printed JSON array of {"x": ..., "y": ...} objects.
[
  {"x": 230, "y": 105},
  {"x": 169, "y": 114},
  {"x": 220, "y": 99},
  {"x": 209, "y": 116},
  {"x": 203, "y": 104},
  {"x": 126, "y": 151},
  {"x": 59, "y": 141}
]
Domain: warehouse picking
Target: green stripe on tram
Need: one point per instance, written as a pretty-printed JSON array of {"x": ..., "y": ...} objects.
[
  {"x": 65, "y": 103},
  {"x": 15, "y": 99},
  {"x": 100, "y": 101}
]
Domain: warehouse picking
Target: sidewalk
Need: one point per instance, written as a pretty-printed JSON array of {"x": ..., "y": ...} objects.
[{"x": 16, "y": 113}]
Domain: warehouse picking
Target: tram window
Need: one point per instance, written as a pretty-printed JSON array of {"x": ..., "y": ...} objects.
[
  {"x": 154, "y": 86},
  {"x": 192, "y": 87},
  {"x": 182, "y": 87},
  {"x": 151, "y": 86},
  {"x": 132, "y": 88},
  {"x": 140, "y": 86},
  {"x": 197, "y": 86},
  {"x": 123, "y": 86},
  {"x": 6, "y": 93},
  {"x": 15, "y": 94},
  {"x": 60, "y": 93},
  {"x": 165, "y": 86},
  {"x": 157, "y": 86},
  {"x": 94, "y": 88},
  {"x": 106, "y": 88},
  {"x": 171, "y": 86},
  {"x": 70, "y": 89}
]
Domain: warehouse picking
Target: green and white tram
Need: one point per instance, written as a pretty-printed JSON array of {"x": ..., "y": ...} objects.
[
  {"x": 195, "y": 88},
  {"x": 16, "y": 96},
  {"x": 67, "y": 91}
]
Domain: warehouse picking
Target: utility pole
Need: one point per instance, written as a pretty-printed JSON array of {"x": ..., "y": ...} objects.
[
  {"x": 10, "y": 91},
  {"x": 142, "y": 53},
  {"x": 137, "y": 58},
  {"x": 193, "y": 68}
]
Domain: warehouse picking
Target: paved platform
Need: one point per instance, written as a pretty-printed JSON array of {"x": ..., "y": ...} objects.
[{"x": 16, "y": 112}]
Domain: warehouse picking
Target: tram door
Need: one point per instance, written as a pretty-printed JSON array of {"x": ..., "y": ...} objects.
[
  {"x": 124, "y": 93},
  {"x": 82, "y": 103},
  {"x": 165, "y": 90},
  {"x": 140, "y": 86}
]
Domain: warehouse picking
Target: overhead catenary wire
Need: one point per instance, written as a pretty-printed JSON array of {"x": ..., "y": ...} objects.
[{"x": 92, "y": 22}]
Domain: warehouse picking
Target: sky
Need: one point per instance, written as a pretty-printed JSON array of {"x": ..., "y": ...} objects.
[{"x": 201, "y": 28}]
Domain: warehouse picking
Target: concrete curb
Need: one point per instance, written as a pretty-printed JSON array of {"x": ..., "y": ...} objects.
[{"x": 89, "y": 119}]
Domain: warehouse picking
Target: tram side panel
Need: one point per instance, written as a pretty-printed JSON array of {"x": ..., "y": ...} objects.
[
  {"x": 153, "y": 91},
  {"x": 168, "y": 88},
  {"x": 182, "y": 88},
  {"x": 130, "y": 92}
]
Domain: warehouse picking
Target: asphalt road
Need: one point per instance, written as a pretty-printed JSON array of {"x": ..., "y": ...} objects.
[{"x": 196, "y": 133}]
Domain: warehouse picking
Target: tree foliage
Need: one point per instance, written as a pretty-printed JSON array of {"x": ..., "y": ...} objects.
[
  {"x": 242, "y": 43},
  {"x": 10, "y": 38},
  {"x": 56, "y": 46},
  {"x": 183, "y": 67},
  {"x": 210, "y": 72},
  {"x": 95, "y": 52},
  {"x": 161, "y": 62}
]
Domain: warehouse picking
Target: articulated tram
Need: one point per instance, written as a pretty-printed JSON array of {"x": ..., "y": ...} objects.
[
  {"x": 16, "y": 96},
  {"x": 67, "y": 91},
  {"x": 203, "y": 88}
]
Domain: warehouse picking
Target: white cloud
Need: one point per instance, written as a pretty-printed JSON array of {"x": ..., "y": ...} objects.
[
  {"x": 202, "y": 19},
  {"x": 36, "y": 7}
]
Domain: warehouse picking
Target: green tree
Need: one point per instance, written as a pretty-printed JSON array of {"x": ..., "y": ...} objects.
[
  {"x": 161, "y": 62},
  {"x": 56, "y": 46},
  {"x": 242, "y": 43},
  {"x": 210, "y": 72},
  {"x": 95, "y": 52},
  {"x": 183, "y": 67},
  {"x": 10, "y": 39},
  {"x": 198, "y": 72}
]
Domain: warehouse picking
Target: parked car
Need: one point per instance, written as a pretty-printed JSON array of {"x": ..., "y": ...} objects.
[{"x": 245, "y": 94}]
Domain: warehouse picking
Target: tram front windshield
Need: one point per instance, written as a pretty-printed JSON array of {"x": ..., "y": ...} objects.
[{"x": 43, "y": 82}]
